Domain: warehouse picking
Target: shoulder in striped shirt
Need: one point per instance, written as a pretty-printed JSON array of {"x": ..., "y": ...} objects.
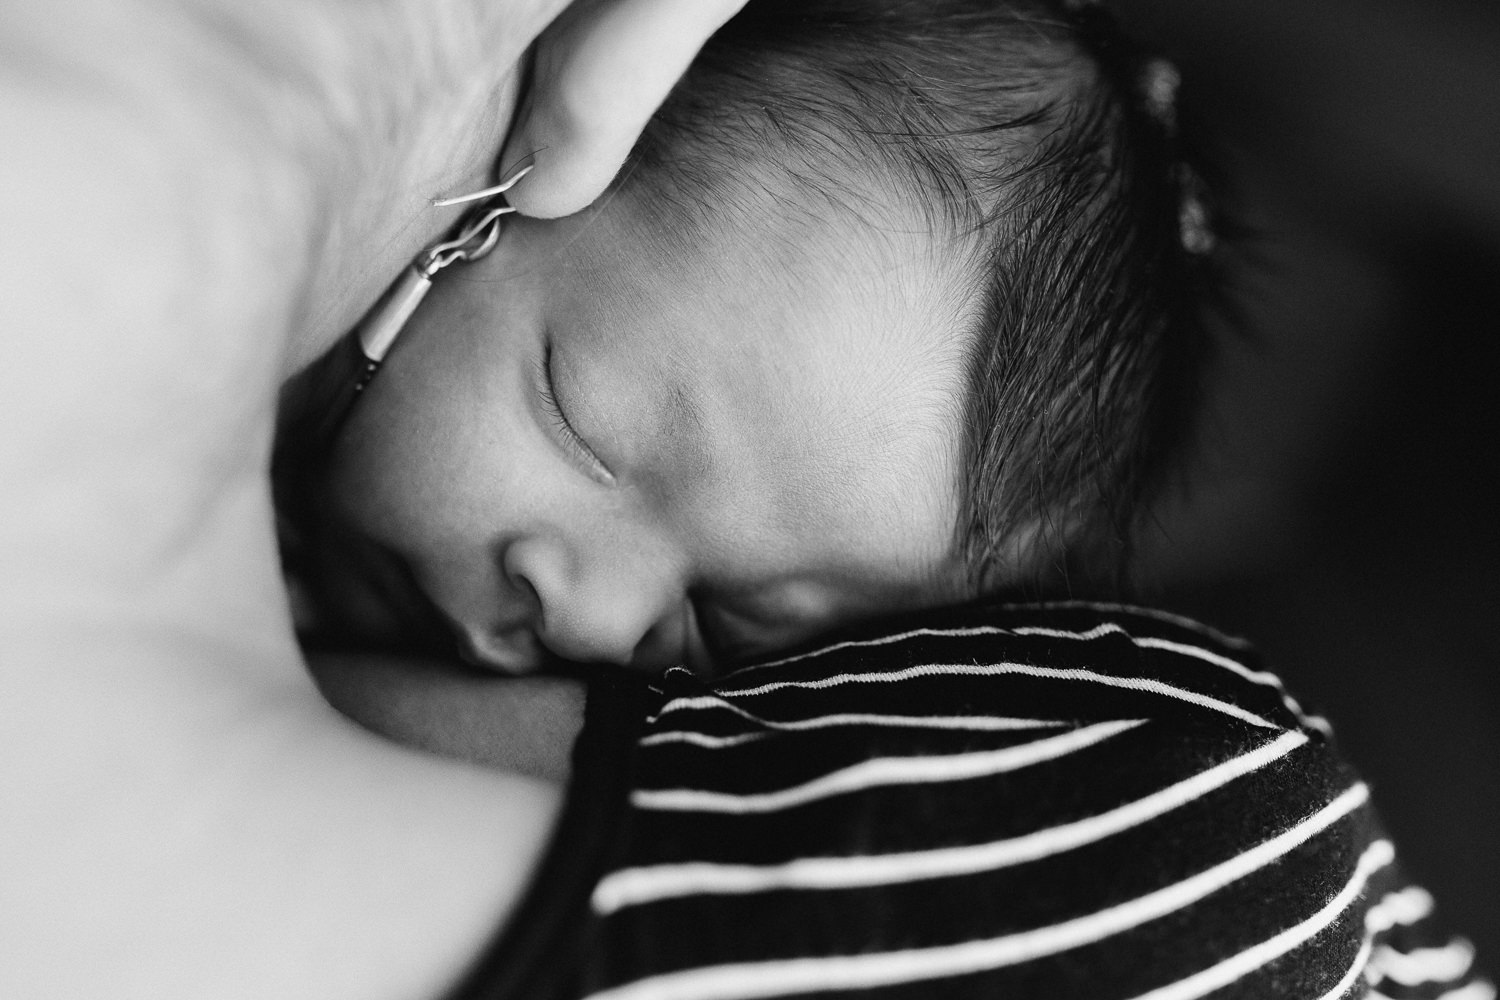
[{"x": 1040, "y": 801}]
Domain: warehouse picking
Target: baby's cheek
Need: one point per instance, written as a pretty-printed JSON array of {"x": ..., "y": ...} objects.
[{"x": 394, "y": 465}]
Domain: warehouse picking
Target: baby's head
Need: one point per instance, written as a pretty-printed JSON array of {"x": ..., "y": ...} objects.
[{"x": 883, "y": 314}]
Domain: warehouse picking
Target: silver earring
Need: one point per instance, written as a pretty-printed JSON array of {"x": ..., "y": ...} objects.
[
  {"x": 354, "y": 362},
  {"x": 505, "y": 185}
]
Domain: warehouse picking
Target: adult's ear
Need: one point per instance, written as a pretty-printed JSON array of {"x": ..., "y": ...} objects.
[{"x": 601, "y": 70}]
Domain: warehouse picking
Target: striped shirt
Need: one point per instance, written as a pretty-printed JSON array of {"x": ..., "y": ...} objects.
[{"x": 1041, "y": 801}]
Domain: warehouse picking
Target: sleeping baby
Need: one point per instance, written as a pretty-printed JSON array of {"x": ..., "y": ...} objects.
[
  {"x": 891, "y": 308},
  {"x": 895, "y": 306}
]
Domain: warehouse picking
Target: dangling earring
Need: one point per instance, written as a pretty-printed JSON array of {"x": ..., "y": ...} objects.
[{"x": 356, "y": 359}]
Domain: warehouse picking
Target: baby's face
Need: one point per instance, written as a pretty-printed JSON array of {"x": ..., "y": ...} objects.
[{"x": 609, "y": 446}]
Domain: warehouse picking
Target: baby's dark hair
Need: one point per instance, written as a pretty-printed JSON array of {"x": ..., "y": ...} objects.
[{"x": 1036, "y": 137}]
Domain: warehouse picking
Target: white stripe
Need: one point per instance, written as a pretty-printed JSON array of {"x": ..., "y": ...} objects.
[
  {"x": 1425, "y": 965},
  {"x": 1098, "y": 631},
  {"x": 1102, "y": 606},
  {"x": 988, "y": 723},
  {"x": 1170, "y": 618},
  {"x": 1262, "y": 677},
  {"x": 965, "y": 723},
  {"x": 1405, "y": 907},
  {"x": 701, "y": 739},
  {"x": 1376, "y": 856},
  {"x": 1355, "y": 972},
  {"x": 847, "y": 972},
  {"x": 1479, "y": 989},
  {"x": 635, "y": 886},
  {"x": 884, "y": 640},
  {"x": 997, "y": 669},
  {"x": 695, "y": 702},
  {"x": 883, "y": 771},
  {"x": 1318, "y": 722}
]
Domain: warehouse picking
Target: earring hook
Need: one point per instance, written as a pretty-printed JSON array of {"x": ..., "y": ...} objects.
[{"x": 505, "y": 185}]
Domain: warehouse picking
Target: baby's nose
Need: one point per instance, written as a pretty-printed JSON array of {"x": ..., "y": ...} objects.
[{"x": 629, "y": 613}]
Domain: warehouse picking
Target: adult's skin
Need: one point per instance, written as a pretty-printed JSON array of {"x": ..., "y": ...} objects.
[{"x": 196, "y": 198}]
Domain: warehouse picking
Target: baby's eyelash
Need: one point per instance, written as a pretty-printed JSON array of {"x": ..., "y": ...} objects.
[{"x": 554, "y": 411}]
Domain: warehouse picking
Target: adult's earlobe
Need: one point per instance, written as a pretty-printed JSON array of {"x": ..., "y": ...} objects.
[{"x": 598, "y": 75}]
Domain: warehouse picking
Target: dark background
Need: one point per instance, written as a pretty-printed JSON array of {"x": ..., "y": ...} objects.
[{"x": 1346, "y": 517}]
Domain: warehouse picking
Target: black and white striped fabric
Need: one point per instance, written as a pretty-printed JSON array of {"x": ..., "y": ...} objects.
[{"x": 1054, "y": 801}]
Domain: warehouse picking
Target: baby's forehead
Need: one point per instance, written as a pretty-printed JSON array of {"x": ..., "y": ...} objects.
[
  {"x": 761, "y": 208},
  {"x": 778, "y": 288},
  {"x": 809, "y": 375}
]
